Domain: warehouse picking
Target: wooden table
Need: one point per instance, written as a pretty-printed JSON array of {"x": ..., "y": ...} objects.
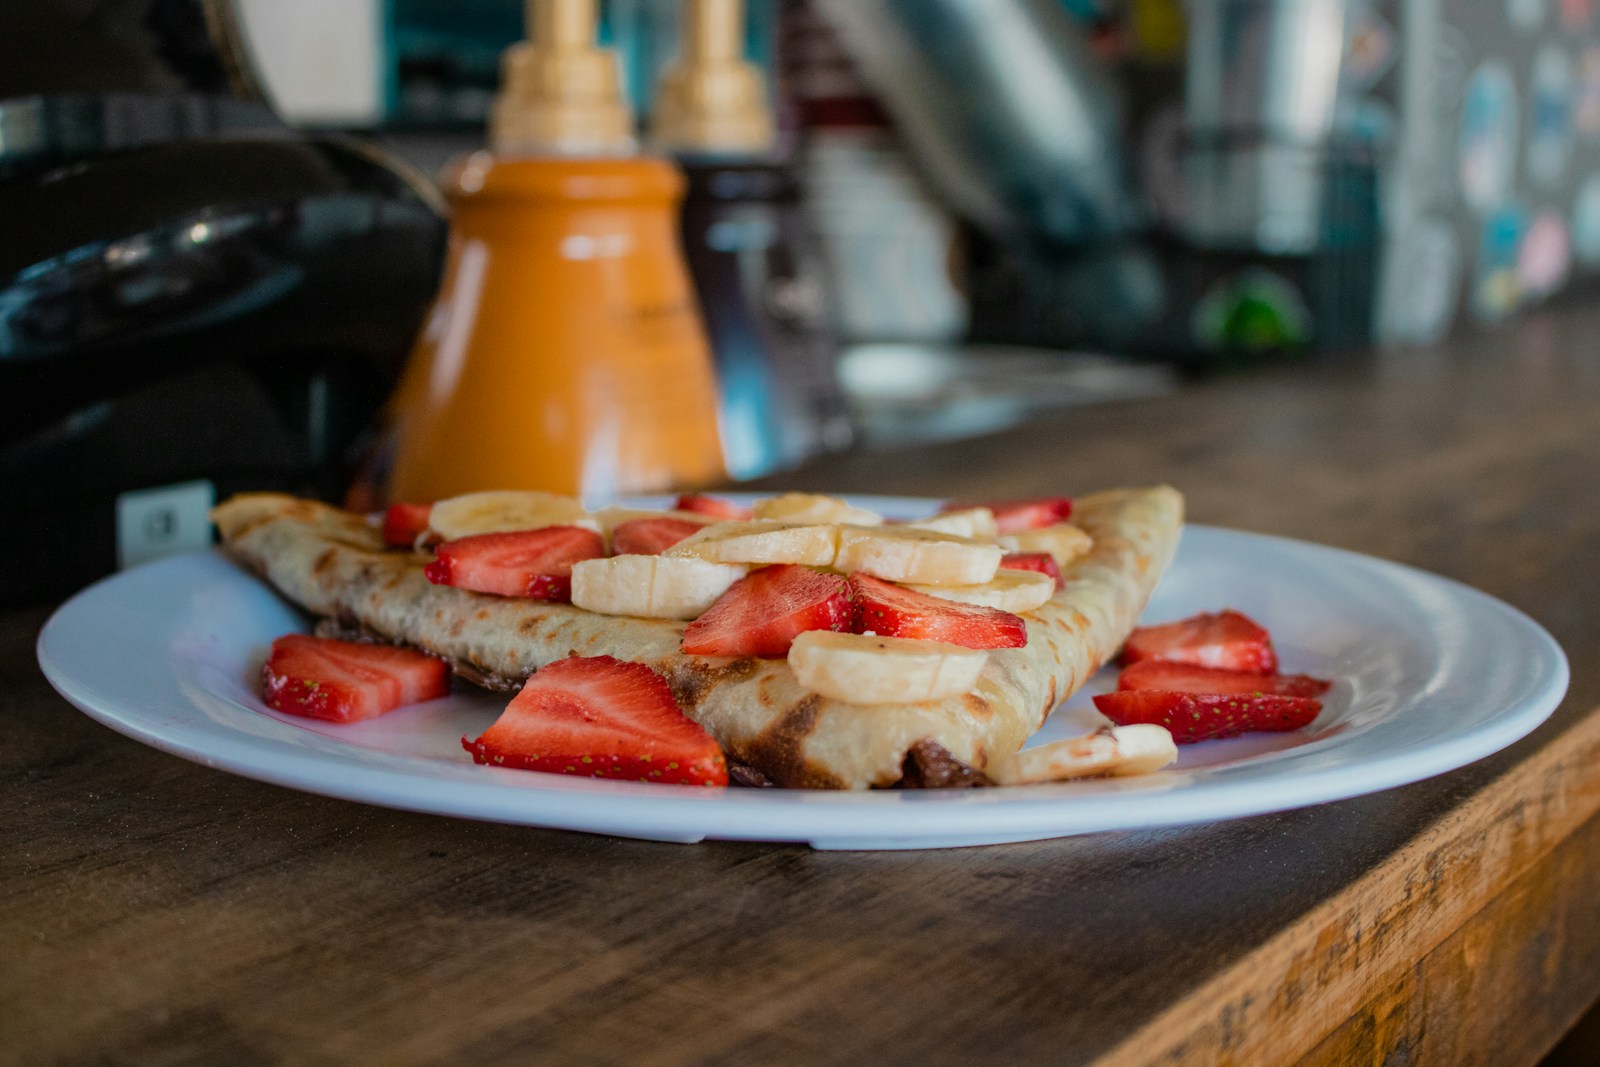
[{"x": 155, "y": 911}]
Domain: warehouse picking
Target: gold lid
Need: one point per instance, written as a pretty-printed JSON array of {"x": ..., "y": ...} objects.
[
  {"x": 559, "y": 92},
  {"x": 711, "y": 100}
]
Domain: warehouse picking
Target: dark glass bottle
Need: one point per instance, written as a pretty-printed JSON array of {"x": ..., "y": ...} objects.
[
  {"x": 758, "y": 270},
  {"x": 755, "y": 264}
]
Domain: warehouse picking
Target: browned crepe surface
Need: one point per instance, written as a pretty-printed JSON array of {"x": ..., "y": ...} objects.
[{"x": 334, "y": 564}]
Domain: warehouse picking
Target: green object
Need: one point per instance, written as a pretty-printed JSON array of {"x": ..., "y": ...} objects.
[{"x": 1251, "y": 313}]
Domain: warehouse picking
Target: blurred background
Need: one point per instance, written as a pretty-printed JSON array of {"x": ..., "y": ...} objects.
[{"x": 334, "y": 246}]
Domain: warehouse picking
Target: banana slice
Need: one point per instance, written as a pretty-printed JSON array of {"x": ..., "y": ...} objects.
[
  {"x": 1064, "y": 541},
  {"x": 762, "y": 542},
  {"x": 1013, "y": 591},
  {"x": 923, "y": 557},
  {"x": 1115, "y": 752},
  {"x": 866, "y": 669},
  {"x": 477, "y": 513},
  {"x": 653, "y": 587},
  {"x": 609, "y": 518},
  {"x": 976, "y": 523},
  {"x": 809, "y": 509}
]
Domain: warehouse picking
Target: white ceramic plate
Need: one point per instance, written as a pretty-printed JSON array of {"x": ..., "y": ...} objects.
[{"x": 1430, "y": 675}]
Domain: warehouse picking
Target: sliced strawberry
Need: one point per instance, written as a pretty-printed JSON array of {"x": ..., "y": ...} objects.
[
  {"x": 600, "y": 717},
  {"x": 1011, "y": 516},
  {"x": 889, "y": 610},
  {"x": 404, "y": 523},
  {"x": 650, "y": 537},
  {"x": 1187, "y": 678},
  {"x": 723, "y": 509},
  {"x": 1200, "y": 716},
  {"x": 343, "y": 681},
  {"x": 1197, "y": 703},
  {"x": 1226, "y": 639},
  {"x": 763, "y": 612},
  {"x": 1043, "y": 562},
  {"x": 531, "y": 563}
]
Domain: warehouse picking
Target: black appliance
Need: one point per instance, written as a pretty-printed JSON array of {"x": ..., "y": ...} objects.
[{"x": 194, "y": 298}]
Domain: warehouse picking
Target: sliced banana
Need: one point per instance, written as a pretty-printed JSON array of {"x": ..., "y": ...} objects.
[
  {"x": 866, "y": 669},
  {"x": 1013, "y": 591},
  {"x": 493, "y": 512},
  {"x": 762, "y": 542},
  {"x": 810, "y": 508},
  {"x": 609, "y": 518},
  {"x": 976, "y": 523},
  {"x": 1064, "y": 541},
  {"x": 922, "y": 557},
  {"x": 653, "y": 587},
  {"x": 1116, "y": 751}
]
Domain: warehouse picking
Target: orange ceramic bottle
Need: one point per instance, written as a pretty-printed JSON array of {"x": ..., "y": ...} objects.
[{"x": 565, "y": 350}]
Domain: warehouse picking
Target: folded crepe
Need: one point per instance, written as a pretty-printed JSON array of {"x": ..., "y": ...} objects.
[{"x": 334, "y": 564}]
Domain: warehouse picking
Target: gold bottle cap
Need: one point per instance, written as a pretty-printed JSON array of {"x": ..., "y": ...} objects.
[
  {"x": 559, "y": 92},
  {"x": 711, "y": 99}
]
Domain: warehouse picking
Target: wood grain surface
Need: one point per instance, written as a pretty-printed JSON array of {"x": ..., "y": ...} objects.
[{"x": 156, "y": 911}]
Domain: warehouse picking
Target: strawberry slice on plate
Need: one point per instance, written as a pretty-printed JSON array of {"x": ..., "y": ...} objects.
[
  {"x": 652, "y": 536},
  {"x": 763, "y": 612},
  {"x": 889, "y": 610},
  {"x": 1199, "y": 703},
  {"x": 717, "y": 506},
  {"x": 1192, "y": 717},
  {"x": 1226, "y": 639},
  {"x": 1187, "y": 678},
  {"x": 601, "y": 717},
  {"x": 404, "y": 523},
  {"x": 1011, "y": 516},
  {"x": 526, "y": 563},
  {"x": 343, "y": 681},
  {"x": 1042, "y": 562}
]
